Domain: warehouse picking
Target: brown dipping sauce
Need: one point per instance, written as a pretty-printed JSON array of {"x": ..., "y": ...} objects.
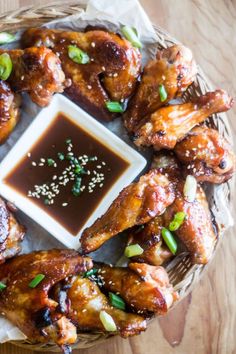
[{"x": 63, "y": 136}]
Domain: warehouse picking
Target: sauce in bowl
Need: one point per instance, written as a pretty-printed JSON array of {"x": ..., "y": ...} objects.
[{"x": 67, "y": 173}]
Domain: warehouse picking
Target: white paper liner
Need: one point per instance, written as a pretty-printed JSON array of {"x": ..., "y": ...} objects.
[{"x": 111, "y": 14}]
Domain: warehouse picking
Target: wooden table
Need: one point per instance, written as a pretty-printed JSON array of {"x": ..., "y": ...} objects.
[{"x": 205, "y": 321}]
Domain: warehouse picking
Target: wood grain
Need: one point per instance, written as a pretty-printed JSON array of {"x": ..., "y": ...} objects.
[{"x": 204, "y": 322}]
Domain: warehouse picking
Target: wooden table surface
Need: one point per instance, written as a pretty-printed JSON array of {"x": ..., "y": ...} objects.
[{"x": 205, "y": 321}]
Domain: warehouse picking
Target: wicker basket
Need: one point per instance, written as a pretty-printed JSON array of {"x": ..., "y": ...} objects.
[{"x": 182, "y": 273}]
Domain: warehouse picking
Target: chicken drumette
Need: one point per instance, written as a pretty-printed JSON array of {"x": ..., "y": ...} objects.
[
  {"x": 169, "y": 125},
  {"x": 136, "y": 204},
  {"x": 110, "y": 73},
  {"x": 174, "y": 68},
  {"x": 206, "y": 155}
]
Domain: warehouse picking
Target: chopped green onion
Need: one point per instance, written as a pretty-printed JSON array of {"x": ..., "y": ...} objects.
[
  {"x": 79, "y": 170},
  {"x": 177, "y": 221},
  {"x": 6, "y": 37},
  {"x": 113, "y": 106},
  {"x": 107, "y": 322},
  {"x": 76, "y": 189},
  {"x": 46, "y": 201},
  {"x": 50, "y": 162},
  {"x": 68, "y": 141},
  {"x": 131, "y": 34},
  {"x": 90, "y": 272},
  {"x": 36, "y": 281},
  {"x": 2, "y": 286},
  {"x": 169, "y": 240},
  {"x": 117, "y": 301},
  {"x": 162, "y": 93},
  {"x": 77, "y": 55},
  {"x": 5, "y": 66},
  {"x": 190, "y": 188},
  {"x": 133, "y": 250},
  {"x": 61, "y": 156}
]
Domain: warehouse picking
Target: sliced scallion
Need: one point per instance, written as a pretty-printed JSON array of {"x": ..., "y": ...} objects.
[
  {"x": 6, "y": 37},
  {"x": 61, "y": 156},
  {"x": 90, "y": 272},
  {"x": 5, "y": 66},
  {"x": 190, "y": 188},
  {"x": 2, "y": 286},
  {"x": 36, "y": 281},
  {"x": 50, "y": 162},
  {"x": 162, "y": 93},
  {"x": 133, "y": 250},
  {"x": 107, "y": 321},
  {"x": 77, "y": 55},
  {"x": 177, "y": 221},
  {"x": 117, "y": 301},
  {"x": 115, "y": 107},
  {"x": 169, "y": 240},
  {"x": 131, "y": 34},
  {"x": 76, "y": 189}
]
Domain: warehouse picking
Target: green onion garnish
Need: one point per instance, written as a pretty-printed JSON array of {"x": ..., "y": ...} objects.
[
  {"x": 89, "y": 273},
  {"x": 2, "y": 286},
  {"x": 133, "y": 250},
  {"x": 68, "y": 141},
  {"x": 117, "y": 301},
  {"x": 162, "y": 93},
  {"x": 107, "y": 322},
  {"x": 169, "y": 240},
  {"x": 5, "y": 66},
  {"x": 76, "y": 189},
  {"x": 61, "y": 156},
  {"x": 113, "y": 106},
  {"x": 77, "y": 55},
  {"x": 6, "y": 37},
  {"x": 79, "y": 170},
  {"x": 190, "y": 188},
  {"x": 131, "y": 34},
  {"x": 177, "y": 221},
  {"x": 50, "y": 162},
  {"x": 46, "y": 201},
  {"x": 36, "y": 281}
]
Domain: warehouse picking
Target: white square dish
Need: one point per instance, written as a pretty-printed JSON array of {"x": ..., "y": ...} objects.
[{"x": 43, "y": 120}]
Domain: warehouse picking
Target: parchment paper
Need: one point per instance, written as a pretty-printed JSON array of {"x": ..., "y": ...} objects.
[{"x": 111, "y": 14}]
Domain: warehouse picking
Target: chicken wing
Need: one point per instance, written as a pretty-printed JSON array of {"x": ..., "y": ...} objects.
[
  {"x": 148, "y": 236},
  {"x": 171, "y": 124},
  {"x": 9, "y": 110},
  {"x": 174, "y": 68},
  {"x": 11, "y": 233},
  {"x": 196, "y": 232},
  {"x": 111, "y": 73},
  {"x": 143, "y": 287},
  {"x": 135, "y": 205},
  {"x": 206, "y": 155},
  {"x": 85, "y": 303},
  {"x": 36, "y": 71},
  {"x": 29, "y": 306}
]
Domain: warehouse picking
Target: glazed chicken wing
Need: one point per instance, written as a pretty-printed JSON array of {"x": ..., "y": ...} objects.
[
  {"x": 11, "y": 233},
  {"x": 30, "y": 307},
  {"x": 111, "y": 73},
  {"x": 174, "y": 68},
  {"x": 143, "y": 287},
  {"x": 206, "y": 155},
  {"x": 149, "y": 237},
  {"x": 36, "y": 71},
  {"x": 171, "y": 124},
  {"x": 135, "y": 205},
  {"x": 9, "y": 110}
]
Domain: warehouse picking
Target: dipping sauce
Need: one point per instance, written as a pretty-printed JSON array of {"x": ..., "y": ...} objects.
[{"x": 67, "y": 173}]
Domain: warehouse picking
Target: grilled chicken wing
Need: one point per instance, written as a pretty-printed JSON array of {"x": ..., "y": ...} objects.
[
  {"x": 11, "y": 233},
  {"x": 169, "y": 125},
  {"x": 9, "y": 110},
  {"x": 206, "y": 155},
  {"x": 36, "y": 71},
  {"x": 143, "y": 287},
  {"x": 32, "y": 309},
  {"x": 135, "y": 205},
  {"x": 111, "y": 73},
  {"x": 174, "y": 68},
  {"x": 149, "y": 238},
  {"x": 85, "y": 302}
]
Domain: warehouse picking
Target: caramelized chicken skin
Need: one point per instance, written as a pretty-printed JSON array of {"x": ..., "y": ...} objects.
[
  {"x": 207, "y": 155},
  {"x": 169, "y": 125},
  {"x": 174, "y": 68},
  {"x": 136, "y": 204},
  {"x": 111, "y": 73},
  {"x": 36, "y": 71},
  {"x": 11, "y": 233},
  {"x": 9, "y": 110},
  {"x": 32, "y": 309},
  {"x": 143, "y": 287}
]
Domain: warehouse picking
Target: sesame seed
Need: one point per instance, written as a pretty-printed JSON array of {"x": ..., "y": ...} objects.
[
  {"x": 29, "y": 154},
  {"x": 93, "y": 44},
  {"x": 64, "y": 204},
  {"x": 34, "y": 163}
]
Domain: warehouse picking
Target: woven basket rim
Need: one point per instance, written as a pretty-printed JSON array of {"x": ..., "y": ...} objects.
[{"x": 20, "y": 19}]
